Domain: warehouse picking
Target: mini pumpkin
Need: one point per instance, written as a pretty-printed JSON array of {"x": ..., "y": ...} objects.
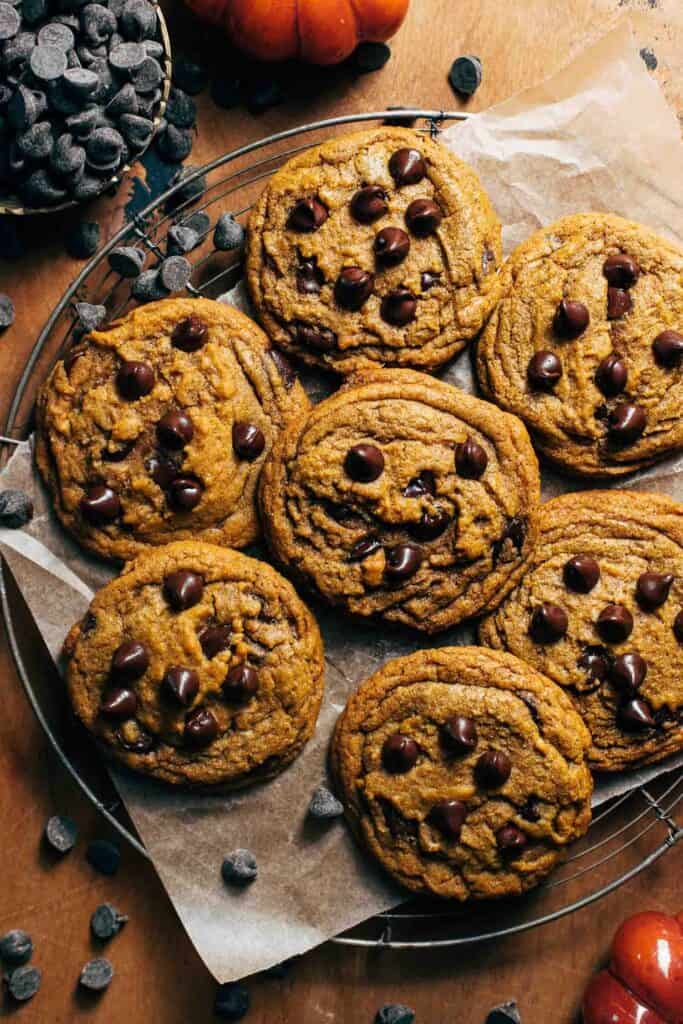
[{"x": 317, "y": 31}]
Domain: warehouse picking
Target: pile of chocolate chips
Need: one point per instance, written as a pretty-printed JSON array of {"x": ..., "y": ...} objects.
[{"x": 80, "y": 85}]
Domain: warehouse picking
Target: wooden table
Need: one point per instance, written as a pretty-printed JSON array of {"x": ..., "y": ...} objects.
[{"x": 160, "y": 978}]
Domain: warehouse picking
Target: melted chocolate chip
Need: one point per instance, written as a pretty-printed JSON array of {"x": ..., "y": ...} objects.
[
  {"x": 459, "y": 735},
  {"x": 668, "y": 349},
  {"x": 391, "y": 246},
  {"x": 240, "y": 684},
  {"x": 175, "y": 430},
  {"x": 100, "y": 505},
  {"x": 142, "y": 744},
  {"x": 247, "y": 440},
  {"x": 74, "y": 353},
  {"x": 337, "y": 511},
  {"x": 493, "y": 769},
  {"x": 544, "y": 370},
  {"x": 596, "y": 660},
  {"x": 515, "y": 532},
  {"x": 399, "y": 307},
  {"x": 183, "y": 589},
  {"x": 190, "y": 334},
  {"x": 134, "y": 379},
  {"x": 448, "y": 817},
  {"x": 162, "y": 469},
  {"x": 363, "y": 548},
  {"x": 423, "y": 483},
  {"x": 635, "y": 716},
  {"x": 129, "y": 661},
  {"x": 530, "y": 810},
  {"x": 611, "y": 375},
  {"x": 320, "y": 339},
  {"x": 353, "y": 288},
  {"x": 181, "y": 684},
  {"x": 201, "y": 727},
  {"x": 619, "y": 303},
  {"x": 615, "y": 624},
  {"x": 471, "y": 459},
  {"x": 402, "y": 562},
  {"x": 626, "y": 423},
  {"x": 627, "y": 672},
  {"x": 118, "y": 703},
  {"x": 621, "y": 271},
  {"x": 678, "y": 627},
  {"x": 548, "y": 624},
  {"x": 407, "y": 167},
  {"x": 364, "y": 463},
  {"x": 399, "y": 754},
  {"x": 309, "y": 277},
  {"x": 284, "y": 368},
  {"x": 117, "y": 454},
  {"x": 431, "y": 524},
  {"x": 429, "y": 279},
  {"x": 369, "y": 204},
  {"x": 511, "y": 840},
  {"x": 571, "y": 319},
  {"x": 214, "y": 639},
  {"x": 307, "y": 215},
  {"x": 652, "y": 589},
  {"x": 581, "y": 573},
  {"x": 184, "y": 493},
  {"x": 423, "y": 217}
]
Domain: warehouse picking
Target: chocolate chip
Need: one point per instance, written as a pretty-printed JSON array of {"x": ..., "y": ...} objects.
[
  {"x": 423, "y": 483},
  {"x": 544, "y": 370},
  {"x": 104, "y": 856},
  {"x": 134, "y": 379},
  {"x": 428, "y": 280},
  {"x": 181, "y": 684},
  {"x": 175, "y": 430},
  {"x": 82, "y": 241},
  {"x": 363, "y": 548},
  {"x": 511, "y": 840},
  {"x": 248, "y": 440},
  {"x": 548, "y": 624},
  {"x": 423, "y": 217},
  {"x": 140, "y": 743},
  {"x": 370, "y": 56},
  {"x": 530, "y": 810},
  {"x": 183, "y": 589},
  {"x": 369, "y": 204},
  {"x": 307, "y": 215},
  {"x": 47, "y": 62},
  {"x": 448, "y": 816},
  {"x": 493, "y": 769},
  {"x": 571, "y": 319},
  {"x": 627, "y": 672},
  {"x": 619, "y": 303},
  {"x": 353, "y": 288},
  {"x": 401, "y": 562},
  {"x": 399, "y": 307},
  {"x": 395, "y": 1013},
  {"x": 16, "y": 947},
  {"x": 126, "y": 260},
  {"x": 611, "y": 375},
  {"x": 320, "y": 339},
  {"x": 399, "y": 754},
  {"x": 284, "y": 368},
  {"x": 181, "y": 239},
  {"x": 309, "y": 277},
  {"x": 100, "y": 505},
  {"x": 228, "y": 233},
  {"x": 324, "y": 804},
  {"x": 119, "y": 703},
  {"x": 407, "y": 167},
  {"x": 96, "y": 974},
  {"x": 391, "y": 246},
  {"x": 596, "y": 661},
  {"x": 431, "y": 524},
  {"x": 668, "y": 349},
  {"x": 364, "y": 463},
  {"x": 581, "y": 573},
  {"x": 148, "y": 287},
  {"x": 626, "y": 423},
  {"x": 137, "y": 131},
  {"x": 635, "y": 716},
  {"x": 465, "y": 75},
  {"x": 129, "y": 662},
  {"x": 459, "y": 735},
  {"x": 214, "y": 639},
  {"x": 652, "y": 589},
  {"x": 61, "y": 833},
  {"x": 189, "y": 74},
  {"x": 239, "y": 868},
  {"x": 614, "y": 624},
  {"x": 240, "y": 684},
  {"x": 16, "y": 509},
  {"x": 175, "y": 272},
  {"x": 90, "y": 316},
  {"x": 10, "y": 21},
  {"x": 162, "y": 469},
  {"x": 515, "y": 531},
  {"x": 23, "y": 983},
  {"x": 232, "y": 1001},
  {"x": 621, "y": 271},
  {"x": 678, "y": 627},
  {"x": 201, "y": 727},
  {"x": 190, "y": 334},
  {"x": 106, "y": 922},
  {"x": 184, "y": 493},
  {"x": 470, "y": 459}
]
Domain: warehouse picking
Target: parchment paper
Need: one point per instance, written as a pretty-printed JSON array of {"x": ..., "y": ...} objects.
[{"x": 598, "y": 135}]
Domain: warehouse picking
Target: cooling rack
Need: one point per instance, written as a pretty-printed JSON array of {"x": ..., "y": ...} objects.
[{"x": 628, "y": 834}]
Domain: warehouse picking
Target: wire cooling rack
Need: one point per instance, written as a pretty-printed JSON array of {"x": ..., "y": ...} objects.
[{"x": 628, "y": 834}]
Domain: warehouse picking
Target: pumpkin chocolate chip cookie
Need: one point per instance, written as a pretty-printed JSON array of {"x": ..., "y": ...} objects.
[
  {"x": 378, "y": 247},
  {"x": 155, "y": 428},
  {"x": 198, "y": 666},
  {"x": 462, "y": 770},
  {"x": 586, "y": 345},
  {"x": 600, "y": 611},
  {"x": 404, "y": 497}
]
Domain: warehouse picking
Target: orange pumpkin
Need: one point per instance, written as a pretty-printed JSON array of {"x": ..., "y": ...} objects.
[{"x": 318, "y": 31}]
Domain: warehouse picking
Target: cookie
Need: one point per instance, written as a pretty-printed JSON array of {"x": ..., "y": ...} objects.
[
  {"x": 587, "y": 342},
  {"x": 377, "y": 247},
  {"x": 462, "y": 770},
  {"x": 404, "y": 497},
  {"x": 155, "y": 428},
  {"x": 197, "y": 666},
  {"x": 600, "y": 611}
]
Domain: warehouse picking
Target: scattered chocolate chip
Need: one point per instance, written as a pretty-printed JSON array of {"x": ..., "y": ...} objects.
[
  {"x": 126, "y": 260},
  {"x": 129, "y": 662},
  {"x": 619, "y": 303},
  {"x": 470, "y": 459},
  {"x": 320, "y": 339},
  {"x": 16, "y": 947},
  {"x": 228, "y": 233},
  {"x": 104, "y": 856},
  {"x": 391, "y": 246},
  {"x": 248, "y": 440},
  {"x": 82, "y": 241},
  {"x": 548, "y": 624},
  {"x": 183, "y": 589},
  {"x": 581, "y": 573},
  {"x": 119, "y": 703},
  {"x": 363, "y": 548},
  {"x": 571, "y": 319},
  {"x": 626, "y": 423},
  {"x": 239, "y": 868},
  {"x": 423, "y": 483},
  {"x": 668, "y": 349},
  {"x": 309, "y": 277},
  {"x": 184, "y": 493},
  {"x": 407, "y": 167},
  {"x": 181, "y": 684},
  {"x": 401, "y": 562},
  {"x": 96, "y": 974},
  {"x": 90, "y": 317},
  {"x": 232, "y": 1001},
  {"x": 431, "y": 524},
  {"x": 370, "y": 56},
  {"x": 134, "y": 379},
  {"x": 395, "y": 1013},
  {"x": 399, "y": 754},
  {"x": 16, "y": 509},
  {"x": 635, "y": 716},
  {"x": 465, "y": 75},
  {"x": 106, "y": 922},
  {"x": 614, "y": 624},
  {"x": 621, "y": 271},
  {"x": 226, "y": 92},
  {"x": 369, "y": 204},
  {"x": 611, "y": 375},
  {"x": 180, "y": 240},
  {"x": 493, "y": 769},
  {"x": 353, "y": 288},
  {"x": 459, "y": 735},
  {"x": 263, "y": 94},
  {"x": 544, "y": 370},
  {"x": 147, "y": 287},
  {"x": 678, "y": 627},
  {"x": 175, "y": 273},
  {"x": 627, "y": 672},
  {"x": 324, "y": 804},
  {"x": 23, "y": 983},
  {"x": 596, "y": 661},
  {"x": 190, "y": 334},
  {"x": 511, "y": 840},
  {"x": 423, "y": 217},
  {"x": 364, "y": 463},
  {"x": 240, "y": 684},
  {"x": 506, "y": 1013},
  {"x": 175, "y": 430},
  {"x": 652, "y": 589},
  {"x": 448, "y": 816},
  {"x": 61, "y": 833},
  {"x": 428, "y": 280},
  {"x": 214, "y": 639},
  {"x": 100, "y": 505},
  {"x": 181, "y": 109},
  {"x": 189, "y": 75},
  {"x": 201, "y": 727},
  {"x": 307, "y": 215},
  {"x": 399, "y": 307}
]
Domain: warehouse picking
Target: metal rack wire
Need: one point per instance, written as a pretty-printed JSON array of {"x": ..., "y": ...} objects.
[{"x": 627, "y": 835}]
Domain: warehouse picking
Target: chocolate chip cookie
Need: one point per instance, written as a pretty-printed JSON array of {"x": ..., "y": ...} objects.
[
  {"x": 462, "y": 770},
  {"x": 197, "y": 666},
  {"x": 586, "y": 345},
  {"x": 600, "y": 611},
  {"x": 402, "y": 496},
  {"x": 155, "y": 428},
  {"x": 378, "y": 247}
]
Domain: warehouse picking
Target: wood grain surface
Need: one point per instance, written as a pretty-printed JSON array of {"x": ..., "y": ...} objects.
[{"x": 160, "y": 978}]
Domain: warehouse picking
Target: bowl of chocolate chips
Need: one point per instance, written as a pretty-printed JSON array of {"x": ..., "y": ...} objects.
[{"x": 83, "y": 88}]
